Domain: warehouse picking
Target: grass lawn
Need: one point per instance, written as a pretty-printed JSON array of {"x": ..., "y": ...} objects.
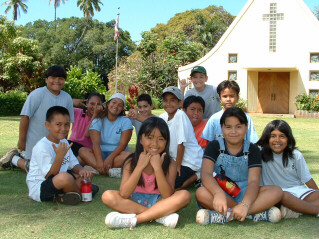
[{"x": 20, "y": 217}]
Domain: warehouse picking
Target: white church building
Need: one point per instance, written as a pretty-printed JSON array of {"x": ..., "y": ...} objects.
[{"x": 272, "y": 50}]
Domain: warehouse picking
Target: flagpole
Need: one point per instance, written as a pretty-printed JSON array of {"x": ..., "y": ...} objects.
[{"x": 117, "y": 49}]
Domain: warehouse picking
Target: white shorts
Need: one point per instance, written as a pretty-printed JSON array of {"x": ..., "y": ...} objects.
[{"x": 299, "y": 191}]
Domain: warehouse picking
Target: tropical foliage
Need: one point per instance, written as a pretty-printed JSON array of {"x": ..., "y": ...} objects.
[{"x": 307, "y": 102}]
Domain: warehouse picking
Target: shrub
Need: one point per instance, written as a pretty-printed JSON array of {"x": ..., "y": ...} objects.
[
  {"x": 307, "y": 102},
  {"x": 12, "y": 102},
  {"x": 157, "y": 103}
]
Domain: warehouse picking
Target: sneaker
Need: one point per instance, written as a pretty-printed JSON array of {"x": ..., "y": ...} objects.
[
  {"x": 27, "y": 165},
  {"x": 6, "y": 160},
  {"x": 169, "y": 220},
  {"x": 198, "y": 183},
  {"x": 70, "y": 198},
  {"x": 205, "y": 217},
  {"x": 120, "y": 220},
  {"x": 288, "y": 213},
  {"x": 115, "y": 172},
  {"x": 95, "y": 189},
  {"x": 271, "y": 215},
  {"x": 90, "y": 168}
]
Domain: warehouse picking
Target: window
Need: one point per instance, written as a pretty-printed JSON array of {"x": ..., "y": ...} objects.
[
  {"x": 232, "y": 75},
  {"x": 314, "y": 57},
  {"x": 232, "y": 58},
  {"x": 314, "y": 76},
  {"x": 314, "y": 92}
]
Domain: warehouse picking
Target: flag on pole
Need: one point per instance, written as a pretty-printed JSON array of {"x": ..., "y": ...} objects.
[{"x": 116, "y": 29}]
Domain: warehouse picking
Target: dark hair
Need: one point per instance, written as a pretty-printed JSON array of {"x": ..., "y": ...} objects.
[
  {"x": 54, "y": 111},
  {"x": 266, "y": 152},
  {"x": 57, "y": 71},
  {"x": 236, "y": 112},
  {"x": 145, "y": 97},
  {"x": 88, "y": 96},
  {"x": 193, "y": 99},
  {"x": 147, "y": 128},
  {"x": 231, "y": 84}
]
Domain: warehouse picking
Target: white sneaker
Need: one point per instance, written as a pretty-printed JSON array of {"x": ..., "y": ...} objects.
[
  {"x": 115, "y": 172},
  {"x": 205, "y": 217},
  {"x": 120, "y": 220},
  {"x": 169, "y": 220},
  {"x": 271, "y": 215},
  {"x": 288, "y": 213}
]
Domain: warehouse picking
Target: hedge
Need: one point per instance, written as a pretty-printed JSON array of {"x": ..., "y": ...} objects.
[{"x": 12, "y": 102}]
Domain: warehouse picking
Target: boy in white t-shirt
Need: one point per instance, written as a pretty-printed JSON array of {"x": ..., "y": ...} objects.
[
  {"x": 55, "y": 173},
  {"x": 183, "y": 148}
]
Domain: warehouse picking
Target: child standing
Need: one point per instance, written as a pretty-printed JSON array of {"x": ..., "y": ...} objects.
[
  {"x": 147, "y": 187},
  {"x": 54, "y": 170},
  {"x": 194, "y": 107},
  {"x": 183, "y": 148},
  {"x": 228, "y": 92},
  {"x": 207, "y": 92},
  {"x": 283, "y": 165},
  {"x": 32, "y": 127},
  {"x": 241, "y": 162}
]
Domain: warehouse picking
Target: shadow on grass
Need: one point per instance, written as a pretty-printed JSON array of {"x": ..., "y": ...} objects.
[{"x": 10, "y": 118}]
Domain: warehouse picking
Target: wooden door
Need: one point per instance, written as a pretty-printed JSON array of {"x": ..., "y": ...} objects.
[{"x": 273, "y": 92}]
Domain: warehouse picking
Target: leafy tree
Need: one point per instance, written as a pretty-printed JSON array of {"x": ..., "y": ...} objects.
[
  {"x": 96, "y": 51},
  {"x": 56, "y": 5},
  {"x": 316, "y": 12},
  {"x": 16, "y": 5}
]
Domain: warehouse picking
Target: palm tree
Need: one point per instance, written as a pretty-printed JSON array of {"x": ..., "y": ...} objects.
[
  {"x": 87, "y": 7},
  {"x": 56, "y": 4},
  {"x": 15, "y": 5}
]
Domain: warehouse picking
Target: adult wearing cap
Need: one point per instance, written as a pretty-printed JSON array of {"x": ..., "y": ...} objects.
[
  {"x": 207, "y": 92},
  {"x": 110, "y": 135}
]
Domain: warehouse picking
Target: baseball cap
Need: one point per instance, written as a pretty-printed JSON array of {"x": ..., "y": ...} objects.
[
  {"x": 174, "y": 90},
  {"x": 119, "y": 96},
  {"x": 199, "y": 69}
]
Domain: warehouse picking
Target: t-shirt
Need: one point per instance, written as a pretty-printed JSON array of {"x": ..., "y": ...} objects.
[
  {"x": 182, "y": 131},
  {"x": 36, "y": 107},
  {"x": 137, "y": 125},
  {"x": 149, "y": 185},
  {"x": 295, "y": 174},
  {"x": 79, "y": 128},
  {"x": 254, "y": 157},
  {"x": 213, "y": 128},
  {"x": 211, "y": 98},
  {"x": 111, "y": 132},
  {"x": 198, "y": 132},
  {"x": 43, "y": 156}
]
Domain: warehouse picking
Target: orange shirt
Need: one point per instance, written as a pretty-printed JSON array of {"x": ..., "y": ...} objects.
[{"x": 198, "y": 132}]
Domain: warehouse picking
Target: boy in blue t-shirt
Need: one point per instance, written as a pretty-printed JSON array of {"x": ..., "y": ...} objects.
[
  {"x": 32, "y": 127},
  {"x": 229, "y": 95}
]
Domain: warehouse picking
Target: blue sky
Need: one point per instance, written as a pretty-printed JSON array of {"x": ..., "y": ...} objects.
[{"x": 136, "y": 16}]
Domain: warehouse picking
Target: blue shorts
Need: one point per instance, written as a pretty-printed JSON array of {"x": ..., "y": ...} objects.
[
  {"x": 105, "y": 154},
  {"x": 145, "y": 199}
]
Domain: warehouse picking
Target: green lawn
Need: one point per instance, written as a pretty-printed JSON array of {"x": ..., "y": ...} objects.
[{"x": 20, "y": 217}]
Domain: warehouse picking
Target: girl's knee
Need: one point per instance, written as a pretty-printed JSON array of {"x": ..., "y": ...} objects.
[
  {"x": 84, "y": 151},
  {"x": 108, "y": 197},
  {"x": 200, "y": 193}
]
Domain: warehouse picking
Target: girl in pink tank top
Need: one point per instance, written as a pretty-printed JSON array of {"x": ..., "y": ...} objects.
[{"x": 147, "y": 188}]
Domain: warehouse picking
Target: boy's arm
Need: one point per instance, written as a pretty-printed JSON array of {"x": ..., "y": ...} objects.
[
  {"x": 78, "y": 169},
  {"x": 60, "y": 152},
  {"x": 182, "y": 84},
  {"x": 179, "y": 157},
  {"x": 312, "y": 184},
  {"x": 23, "y": 129}
]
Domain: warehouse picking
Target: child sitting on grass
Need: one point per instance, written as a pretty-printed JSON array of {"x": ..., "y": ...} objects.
[
  {"x": 194, "y": 107},
  {"x": 228, "y": 91},
  {"x": 55, "y": 172},
  {"x": 283, "y": 165},
  {"x": 184, "y": 148},
  {"x": 241, "y": 162},
  {"x": 147, "y": 187}
]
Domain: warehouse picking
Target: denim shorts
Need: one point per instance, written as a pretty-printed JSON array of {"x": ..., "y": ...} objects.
[
  {"x": 105, "y": 154},
  {"x": 145, "y": 199}
]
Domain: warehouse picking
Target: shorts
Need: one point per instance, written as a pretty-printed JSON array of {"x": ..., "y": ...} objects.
[
  {"x": 146, "y": 200},
  {"x": 299, "y": 191},
  {"x": 105, "y": 154},
  {"x": 186, "y": 173},
  {"x": 75, "y": 147},
  {"x": 48, "y": 191}
]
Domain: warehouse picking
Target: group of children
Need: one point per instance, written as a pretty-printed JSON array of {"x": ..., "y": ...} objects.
[{"x": 172, "y": 151}]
